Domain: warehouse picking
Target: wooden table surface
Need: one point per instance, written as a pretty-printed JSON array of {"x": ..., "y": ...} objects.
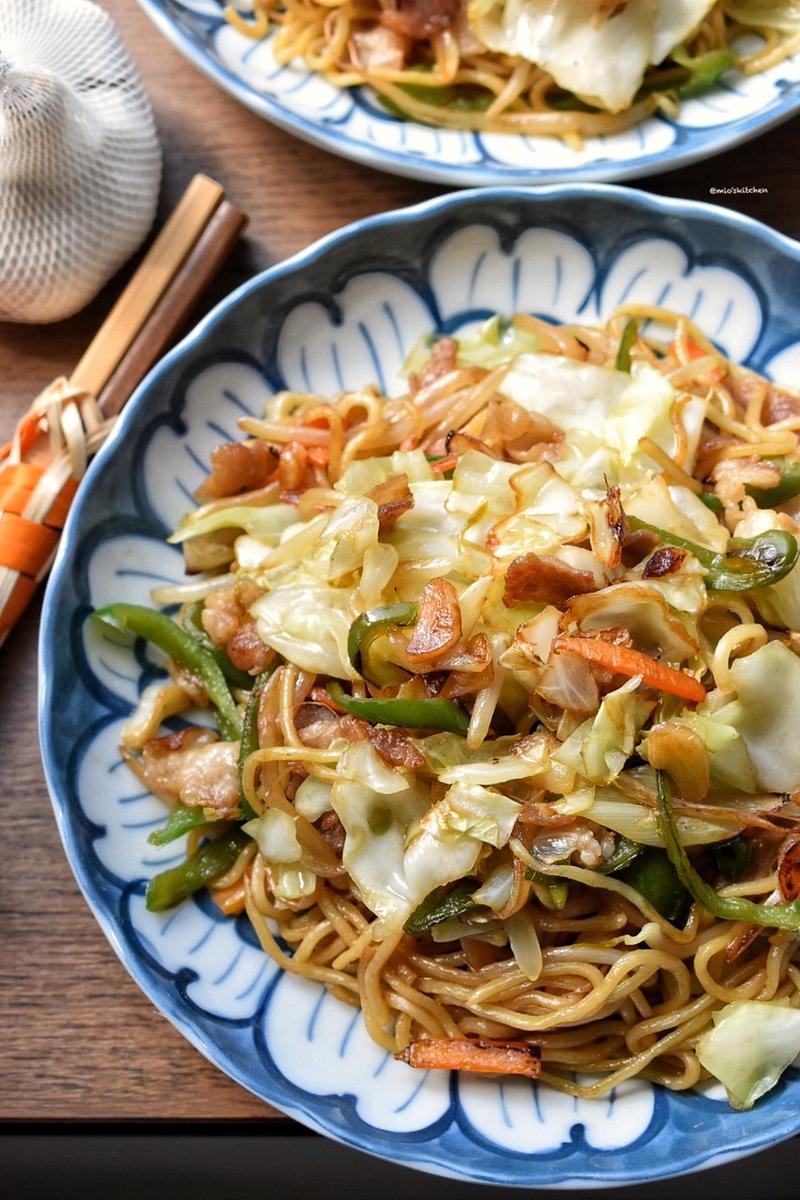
[{"x": 79, "y": 1039}]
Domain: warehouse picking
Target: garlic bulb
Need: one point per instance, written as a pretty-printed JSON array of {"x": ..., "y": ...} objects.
[{"x": 80, "y": 162}]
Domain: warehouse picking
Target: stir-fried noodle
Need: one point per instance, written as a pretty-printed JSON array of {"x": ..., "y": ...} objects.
[
  {"x": 518, "y": 767},
  {"x": 459, "y": 66}
]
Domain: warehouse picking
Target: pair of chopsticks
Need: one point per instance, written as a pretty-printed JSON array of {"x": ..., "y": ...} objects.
[{"x": 41, "y": 467}]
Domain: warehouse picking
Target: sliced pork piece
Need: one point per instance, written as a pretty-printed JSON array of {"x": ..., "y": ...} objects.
[
  {"x": 543, "y": 579},
  {"x": 442, "y": 360},
  {"x": 419, "y": 19},
  {"x": 238, "y": 467},
  {"x": 379, "y": 48},
  {"x": 193, "y": 767},
  {"x": 393, "y": 498},
  {"x": 229, "y": 625}
]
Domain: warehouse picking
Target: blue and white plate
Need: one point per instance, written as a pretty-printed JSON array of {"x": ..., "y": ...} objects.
[
  {"x": 353, "y": 124},
  {"x": 344, "y": 313}
]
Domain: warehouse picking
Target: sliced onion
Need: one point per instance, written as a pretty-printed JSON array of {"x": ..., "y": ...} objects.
[
  {"x": 559, "y": 847},
  {"x": 471, "y": 602},
  {"x": 156, "y": 703},
  {"x": 486, "y": 699},
  {"x": 538, "y": 634},
  {"x": 452, "y": 930},
  {"x": 524, "y": 941},
  {"x": 208, "y": 551},
  {"x": 682, "y": 752},
  {"x": 495, "y": 891},
  {"x": 186, "y": 593},
  {"x": 576, "y": 802},
  {"x": 640, "y": 824}
]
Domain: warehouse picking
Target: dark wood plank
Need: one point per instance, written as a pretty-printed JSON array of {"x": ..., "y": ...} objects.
[{"x": 79, "y": 1039}]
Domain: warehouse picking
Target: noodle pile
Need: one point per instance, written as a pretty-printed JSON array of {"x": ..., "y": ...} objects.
[
  {"x": 571, "y": 596},
  {"x": 448, "y": 78}
]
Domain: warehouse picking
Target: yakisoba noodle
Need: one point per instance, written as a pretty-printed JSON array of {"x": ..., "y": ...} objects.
[
  {"x": 429, "y": 61},
  {"x": 518, "y": 769}
]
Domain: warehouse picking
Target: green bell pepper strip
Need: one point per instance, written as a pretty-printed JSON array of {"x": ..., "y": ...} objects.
[
  {"x": 179, "y": 645},
  {"x": 787, "y": 489},
  {"x": 235, "y": 676},
  {"x": 170, "y": 887},
  {"x": 249, "y": 742},
  {"x": 192, "y": 616},
  {"x": 747, "y": 564},
  {"x": 626, "y": 344},
  {"x": 564, "y": 101},
  {"x": 412, "y": 714},
  {"x": 179, "y": 822},
  {"x": 711, "y": 501},
  {"x": 728, "y": 908},
  {"x": 450, "y": 96},
  {"x": 370, "y": 625},
  {"x": 653, "y": 876},
  {"x": 732, "y": 858},
  {"x": 441, "y": 905},
  {"x": 557, "y": 889},
  {"x": 625, "y": 852},
  {"x": 704, "y": 71}
]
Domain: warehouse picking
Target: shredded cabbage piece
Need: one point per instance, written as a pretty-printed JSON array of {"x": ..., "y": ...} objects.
[
  {"x": 767, "y": 686},
  {"x": 599, "y": 749},
  {"x": 751, "y": 1045}
]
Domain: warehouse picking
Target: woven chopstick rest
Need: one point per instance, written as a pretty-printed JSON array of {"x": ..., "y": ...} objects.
[
  {"x": 65, "y": 426},
  {"x": 35, "y": 496}
]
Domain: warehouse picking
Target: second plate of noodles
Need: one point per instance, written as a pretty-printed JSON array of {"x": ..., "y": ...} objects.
[
  {"x": 573, "y": 70},
  {"x": 476, "y": 92},
  {"x": 500, "y": 671}
]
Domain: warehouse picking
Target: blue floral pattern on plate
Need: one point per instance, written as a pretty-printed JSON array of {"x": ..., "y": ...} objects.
[
  {"x": 352, "y": 123},
  {"x": 343, "y": 313}
]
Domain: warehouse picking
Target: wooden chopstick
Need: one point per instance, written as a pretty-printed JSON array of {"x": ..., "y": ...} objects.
[
  {"x": 35, "y": 485},
  {"x": 159, "y": 265},
  {"x": 169, "y": 316}
]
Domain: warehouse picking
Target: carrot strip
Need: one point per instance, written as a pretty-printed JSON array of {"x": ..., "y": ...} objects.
[
  {"x": 624, "y": 661},
  {"x": 230, "y": 899},
  {"x": 444, "y": 464},
  {"x": 479, "y": 1056},
  {"x": 694, "y": 351},
  {"x": 320, "y": 456}
]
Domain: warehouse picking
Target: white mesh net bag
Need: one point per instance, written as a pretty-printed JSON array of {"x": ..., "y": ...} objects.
[{"x": 80, "y": 163}]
